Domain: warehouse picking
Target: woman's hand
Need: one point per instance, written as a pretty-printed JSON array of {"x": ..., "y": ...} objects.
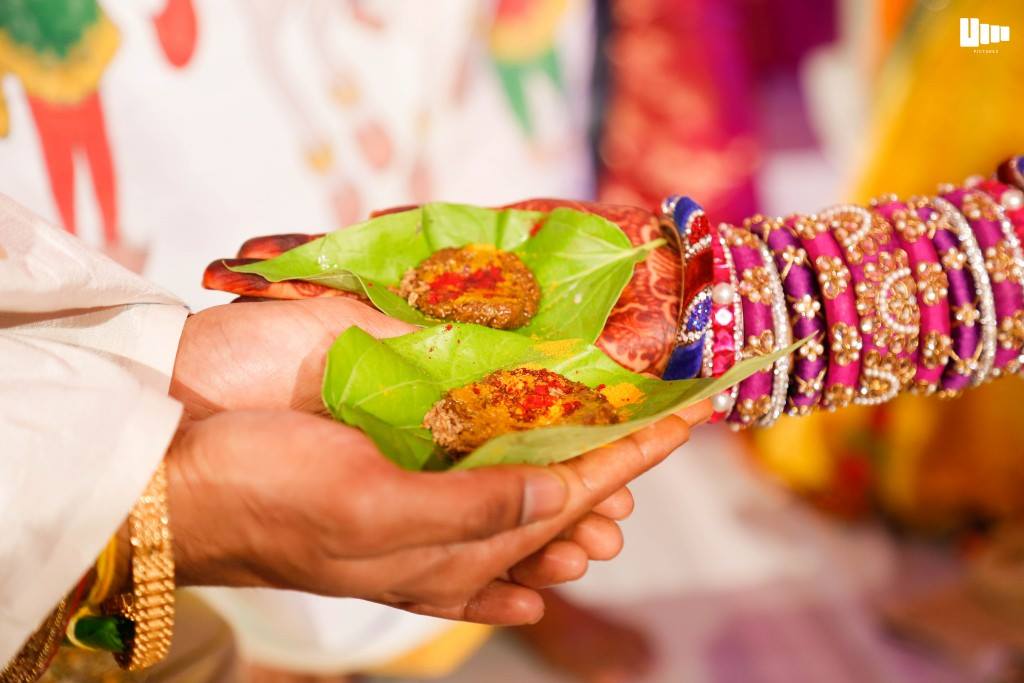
[
  {"x": 292, "y": 500},
  {"x": 265, "y": 355}
]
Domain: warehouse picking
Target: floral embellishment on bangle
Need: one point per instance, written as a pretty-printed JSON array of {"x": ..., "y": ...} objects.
[
  {"x": 883, "y": 377},
  {"x": 812, "y": 385},
  {"x": 1001, "y": 263},
  {"x": 932, "y": 283},
  {"x": 742, "y": 238},
  {"x": 965, "y": 366},
  {"x": 935, "y": 349},
  {"x": 812, "y": 350},
  {"x": 793, "y": 256},
  {"x": 806, "y": 306},
  {"x": 750, "y": 410},
  {"x": 887, "y": 295},
  {"x": 756, "y": 284},
  {"x": 808, "y": 227},
  {"x": 759, "y": 345},
  {"x": 954, "y": 259},
  {"x": 838, "y": 396},
  {"x": 966, "y": 315},
  {"x": 846, "y": 343},
  {"x": 833, "y": 275},
  {"x": 1011, "y": 331}
]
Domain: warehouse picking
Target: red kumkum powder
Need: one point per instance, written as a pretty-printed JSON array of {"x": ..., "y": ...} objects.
[{"x": 450, "y": 286}]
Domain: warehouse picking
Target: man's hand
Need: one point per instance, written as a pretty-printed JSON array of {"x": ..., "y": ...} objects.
[
  {"x": 265, "y": 355},
  {"x": 291, "y": 500}
]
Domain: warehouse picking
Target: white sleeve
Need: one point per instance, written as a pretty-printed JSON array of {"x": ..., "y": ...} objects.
[{"x": 86, "y": 353}]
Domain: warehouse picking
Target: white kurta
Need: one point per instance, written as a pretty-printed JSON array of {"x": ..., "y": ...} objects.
[{"x": 86, "y": 354}]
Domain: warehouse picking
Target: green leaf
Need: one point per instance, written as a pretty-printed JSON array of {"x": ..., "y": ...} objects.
[
  {"x": 103, "y": 633},
  {"x": 581, "y": 261},
  {"x": 385, "y": 387}
]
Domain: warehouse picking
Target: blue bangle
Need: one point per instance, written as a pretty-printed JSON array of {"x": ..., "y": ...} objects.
[{"x": 688, "y": 218}]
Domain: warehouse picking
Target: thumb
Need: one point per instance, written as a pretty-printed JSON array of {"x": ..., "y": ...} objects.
[{"x": 458, "y": 507}]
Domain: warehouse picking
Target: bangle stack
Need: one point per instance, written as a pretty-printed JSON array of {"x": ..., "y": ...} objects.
[{"x": 923, "y": 295}]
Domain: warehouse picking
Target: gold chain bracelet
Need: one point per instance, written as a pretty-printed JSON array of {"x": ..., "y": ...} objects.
[{"x": 150, "y": 605}]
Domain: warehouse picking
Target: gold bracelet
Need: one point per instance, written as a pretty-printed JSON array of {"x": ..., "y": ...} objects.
[
  {"x": 150, "y": 605},
  {"x": 31, "y": 662}
]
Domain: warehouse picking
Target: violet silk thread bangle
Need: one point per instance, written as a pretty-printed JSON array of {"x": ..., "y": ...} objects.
[
  {"x": 982, "y": 214},
  {"x": 972, "y": 310},
  {"x": 1010, "y": 207},
  {"x": 803, "y": 306}
]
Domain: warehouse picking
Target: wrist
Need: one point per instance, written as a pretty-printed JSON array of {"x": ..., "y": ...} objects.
[{"x": 183, "y": 388}]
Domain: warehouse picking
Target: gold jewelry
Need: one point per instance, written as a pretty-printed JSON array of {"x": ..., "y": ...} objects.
[
  {"x": 150, "y": 605},
  {"x": 35, "y": 655}
]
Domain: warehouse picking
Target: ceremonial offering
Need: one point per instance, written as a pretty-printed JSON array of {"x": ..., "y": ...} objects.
[
  {"x": 477, "y": 283},
  {"x": 546, "y": 275},
  {"x": 479, "y": 396},
  {"x": 511, "y": 401}
]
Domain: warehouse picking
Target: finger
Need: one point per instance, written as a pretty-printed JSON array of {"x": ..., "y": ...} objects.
[
  {"x": 603, "y": 471},
  {"x": 599, "y": 537},
  {"x": 499, "y": 604},
  {"x": 697, "y": 414},
  {"x": 458, "y": 507},
  {"x": 557, "y": 562},
  {"x": 338, "y": 314},
  {"x": 617, "y": 506},
  {"x": 589, "y": 478}
]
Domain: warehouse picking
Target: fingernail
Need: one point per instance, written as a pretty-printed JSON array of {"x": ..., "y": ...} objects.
[{"x": 543, "y": 496}]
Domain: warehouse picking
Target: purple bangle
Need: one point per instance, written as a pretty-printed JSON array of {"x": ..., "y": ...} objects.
[
  {"x": 886, "y": 301},
  {"x": 844, "y": 342},
  {"x": 972, "y": 310},
  {"x": 1011, "y": 172},
  {"x": 755, "y": 290},
  {"x": 803, "y": 304},
  {"x": 913, "y": 235},
  {"x": 1010, "y": 207},
  {"x": 1005, "y": 268}
]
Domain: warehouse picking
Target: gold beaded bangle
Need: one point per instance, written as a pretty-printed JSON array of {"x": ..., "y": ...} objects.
[
  {"x": 31, "y": 662},
  {"x": 150, "y": 605}
]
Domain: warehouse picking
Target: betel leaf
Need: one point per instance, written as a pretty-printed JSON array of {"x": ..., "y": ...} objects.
[
  {"x": 581, "y": 261},
  {"x": 385, "y": 387}
]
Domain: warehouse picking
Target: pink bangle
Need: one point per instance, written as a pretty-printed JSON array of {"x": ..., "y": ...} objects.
[
  {"x": 725, "y": 344},
  {"x": 754, "y": 399},
  {"x": 914, "y": 236},
  {"x": 844, "y": 341},
  {"x": 886, "y": 301}
]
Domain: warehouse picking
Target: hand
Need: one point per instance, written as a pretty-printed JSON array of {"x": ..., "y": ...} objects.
[
  {"x": 291, "y": 500},
  {"x": 265, "y": 355}
]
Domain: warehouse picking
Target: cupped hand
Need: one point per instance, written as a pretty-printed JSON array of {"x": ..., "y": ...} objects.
[
  {"x": 265, "y": 355},
  {"x": 291, "y": 500}
]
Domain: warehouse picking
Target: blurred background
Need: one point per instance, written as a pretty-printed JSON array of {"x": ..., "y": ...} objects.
[{"x": 866, "y": 545}]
